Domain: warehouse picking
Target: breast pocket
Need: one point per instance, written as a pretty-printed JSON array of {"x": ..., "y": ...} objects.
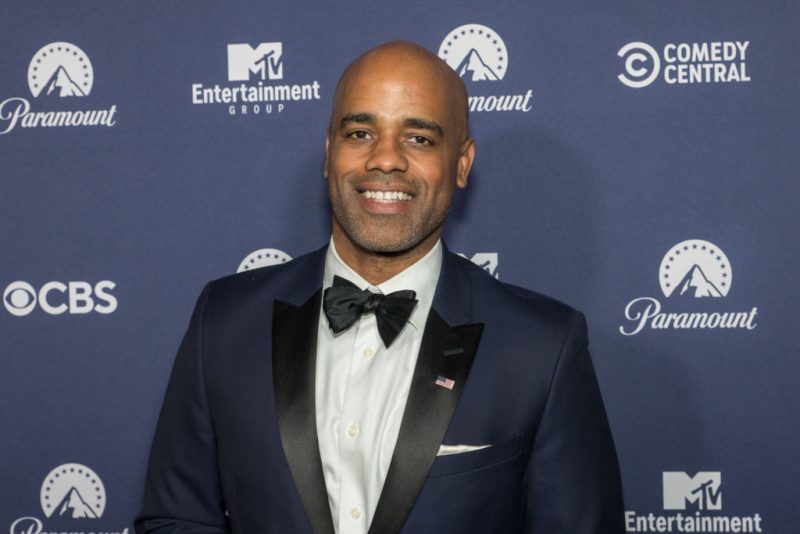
[{"x": 473, "y": 460}]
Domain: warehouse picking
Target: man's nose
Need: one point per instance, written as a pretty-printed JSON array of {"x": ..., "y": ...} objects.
[{"x": 387, "y": 156}]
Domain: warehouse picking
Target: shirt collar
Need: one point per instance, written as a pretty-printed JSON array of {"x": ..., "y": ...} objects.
[{"x": 421, "y": 277}]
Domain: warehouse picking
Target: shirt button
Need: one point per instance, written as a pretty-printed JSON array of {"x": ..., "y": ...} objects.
[
  {"x": 368, "y": 353},
  {"x": 355, "y": 513},
  {"x": 353, "y": 431}
]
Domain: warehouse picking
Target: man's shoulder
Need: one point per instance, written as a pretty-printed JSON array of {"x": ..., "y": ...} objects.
[
  {"x": 293, "y": 280},
  {"x": 493, "y": 296}
]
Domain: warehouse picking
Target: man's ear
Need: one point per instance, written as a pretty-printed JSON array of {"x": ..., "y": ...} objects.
[
  {"x": 327, "y": 152},
  {"x": 466, "y": 156}
]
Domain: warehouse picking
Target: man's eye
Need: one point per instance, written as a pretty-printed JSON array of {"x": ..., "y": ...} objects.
[
  {"x": 358, "y": 134},
  {"x": 420, "y": 140}
]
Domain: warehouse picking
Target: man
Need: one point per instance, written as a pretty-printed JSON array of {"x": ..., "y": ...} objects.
[{"x": 448, "y": 403}]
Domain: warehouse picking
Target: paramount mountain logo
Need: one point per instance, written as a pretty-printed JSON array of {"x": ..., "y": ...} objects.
[
  {"x": 253, "y": 68},
  {"x": 69, "y": 492},
  {"x": 691, "y": 270},
  {"x": 702, "y": 269},
  {"x": 263, "y": 257},
  {"x": 478, "y": 54},
  {"x": 68, "y": 489},
  {"x": 699, "y": 495},
  {"x": 66, "y": 68},
  {"x": 74, "y": 506},
  {"x": 476, "y": 69},
  {"x": 487, "y": 261},
  {"x": 57, "y": 70}
]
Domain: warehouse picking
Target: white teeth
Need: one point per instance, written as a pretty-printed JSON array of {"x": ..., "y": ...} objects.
[{"x": 386, "y": 196}]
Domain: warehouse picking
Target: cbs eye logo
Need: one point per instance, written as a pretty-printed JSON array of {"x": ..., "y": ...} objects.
[
  {"x": 21, "y": 298},
  {"x": 642, "y": 64}
]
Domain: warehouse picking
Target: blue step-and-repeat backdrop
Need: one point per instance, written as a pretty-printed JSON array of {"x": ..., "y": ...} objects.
[{"x": 637, "y": 159}]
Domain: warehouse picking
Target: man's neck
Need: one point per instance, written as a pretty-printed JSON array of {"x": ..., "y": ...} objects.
[{"x": 377, "y": 267}]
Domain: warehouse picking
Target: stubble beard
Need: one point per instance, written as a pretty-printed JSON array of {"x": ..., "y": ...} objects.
[{"x": 385, "y": 234}]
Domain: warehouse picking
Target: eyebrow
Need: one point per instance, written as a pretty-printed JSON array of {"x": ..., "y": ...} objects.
[
  {"x": 422, "y": 124},
  {"x": 360, "y": 118},
  {"x": 369, "y": 118}
]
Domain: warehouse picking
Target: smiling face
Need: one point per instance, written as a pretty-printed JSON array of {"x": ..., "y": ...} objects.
[{"x": 396, "y": 148}]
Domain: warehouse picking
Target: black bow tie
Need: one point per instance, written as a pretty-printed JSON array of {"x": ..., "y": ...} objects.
[{"x": 344, "y": 303}]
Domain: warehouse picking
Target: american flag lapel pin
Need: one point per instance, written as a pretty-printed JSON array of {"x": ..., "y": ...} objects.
[{"x": 443, "y": 381}]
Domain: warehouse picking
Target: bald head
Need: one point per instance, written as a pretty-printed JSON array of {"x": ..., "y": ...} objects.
[
  {"x": 408, "y": 62},
  {"x": 396, "y": 149}
]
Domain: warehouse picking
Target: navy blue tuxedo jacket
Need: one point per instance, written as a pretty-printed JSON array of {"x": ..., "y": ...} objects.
[{"x": 236, "y": 448}]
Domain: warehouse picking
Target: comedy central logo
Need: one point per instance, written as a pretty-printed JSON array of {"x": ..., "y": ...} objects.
[
  {"x": 478, "y": 54},
  {"x": 59, "y": 70},
  {"x": 692, "y": 270},
  {"x": 250, "y": 89},
  {"x": 684, "y": 63}
]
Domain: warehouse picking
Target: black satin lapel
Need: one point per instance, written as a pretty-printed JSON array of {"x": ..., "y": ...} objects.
[
  {"x": 447, "y": 352},
  {"x": 294, "y": 348}
]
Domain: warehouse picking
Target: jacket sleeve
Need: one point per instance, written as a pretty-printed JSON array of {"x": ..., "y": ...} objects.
[
  {"x": 573, "y": 479},
  {"x": 182, "y": 490}
]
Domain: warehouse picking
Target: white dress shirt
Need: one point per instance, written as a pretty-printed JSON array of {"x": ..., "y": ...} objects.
[{"x": 361, "y": 391}]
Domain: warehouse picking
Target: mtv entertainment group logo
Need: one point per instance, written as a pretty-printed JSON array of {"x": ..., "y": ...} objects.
[
  {"x": 684, "y": 63},
  {"x": 59, "y": 70},
  {"x": 703, "y": 490},
  {"x": 700, "y": 494},
  {"x": 69, "y": 492},
  {"x": 264, "y": 61},
  {"x": 254, "y": 68},
  {"x": 690, "y": 271},
  {"x": 478, "y": 54}
]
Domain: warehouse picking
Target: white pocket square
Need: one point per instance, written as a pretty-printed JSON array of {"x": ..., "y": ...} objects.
[{"x": 447, "y": 450}]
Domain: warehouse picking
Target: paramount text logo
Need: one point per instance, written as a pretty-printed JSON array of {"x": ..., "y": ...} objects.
[
  {"x": 58, "y": 70},
  {"x": 684, "y": 63},
  {"x": 701, "y": 493},
  {"x": 254, "y": 67},
  {"x": 691, "y": 270},
  {"x": 478, "y": 54}
]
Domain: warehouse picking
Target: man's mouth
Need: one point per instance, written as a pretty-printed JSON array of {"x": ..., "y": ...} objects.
[{"x": 385, "y": 196}]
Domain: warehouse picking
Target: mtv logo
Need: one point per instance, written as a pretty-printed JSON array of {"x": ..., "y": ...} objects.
[
  {"x": 703, "y": 490},
  {"x": 265, "y": 62},
  {"x": 486, "y": 261}
]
